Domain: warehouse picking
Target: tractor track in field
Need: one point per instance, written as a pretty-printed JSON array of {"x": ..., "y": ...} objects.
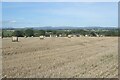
[{"x": 79, "y": 57}]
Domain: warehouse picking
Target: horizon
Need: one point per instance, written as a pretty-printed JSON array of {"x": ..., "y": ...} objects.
[
  {"x": 81, "y": 14},
  {"x": 61, "y": 27}
]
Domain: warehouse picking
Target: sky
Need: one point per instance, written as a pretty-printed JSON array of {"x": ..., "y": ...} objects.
[
  {"x": 75, "y": 14},
  {"x": 60, "y": 0}
]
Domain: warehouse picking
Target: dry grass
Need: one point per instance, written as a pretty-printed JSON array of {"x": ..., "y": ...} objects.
[{"x": 61, "y": 57}]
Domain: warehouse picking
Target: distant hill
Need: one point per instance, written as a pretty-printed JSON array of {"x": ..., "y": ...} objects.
[
  {"x": 56, "y": 28},
  {"x": 62, "y": 28}
]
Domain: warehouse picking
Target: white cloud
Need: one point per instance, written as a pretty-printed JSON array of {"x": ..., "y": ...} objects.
[
  {"x": 13, "y": 21},
  {"x": 8, "y": 21}
]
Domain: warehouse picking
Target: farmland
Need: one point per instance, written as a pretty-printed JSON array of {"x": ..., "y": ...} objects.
[{"x": 78, "y": 57}]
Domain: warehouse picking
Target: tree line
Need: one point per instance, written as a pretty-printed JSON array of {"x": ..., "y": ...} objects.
[{"x": 47, "y": 33}]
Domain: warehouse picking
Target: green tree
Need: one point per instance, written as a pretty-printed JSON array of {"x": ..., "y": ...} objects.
[
  {"x": 41, "y": 32},
  {"x": 93, "y": 34},
  {"x": 6, "y": 33},
  {"x": 54, "y": 32},
  {"x": 29, "y": 32},
  {"x": 18, "y": 33},
  {"x": 119, "y": 32}
]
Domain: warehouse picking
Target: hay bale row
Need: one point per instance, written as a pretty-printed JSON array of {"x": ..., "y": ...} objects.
[{"x": 15, "y": 39}]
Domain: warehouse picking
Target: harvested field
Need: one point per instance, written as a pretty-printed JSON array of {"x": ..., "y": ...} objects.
[{"x": 78, "y": 57}]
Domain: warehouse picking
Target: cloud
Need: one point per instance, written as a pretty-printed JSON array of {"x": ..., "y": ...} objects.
[
  {"x": 13, "y": 21},
  {"x": 8, "y": 21}
]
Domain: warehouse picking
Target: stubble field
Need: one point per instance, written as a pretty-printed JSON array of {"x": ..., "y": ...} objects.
[{"x": 79, "y": 57}]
